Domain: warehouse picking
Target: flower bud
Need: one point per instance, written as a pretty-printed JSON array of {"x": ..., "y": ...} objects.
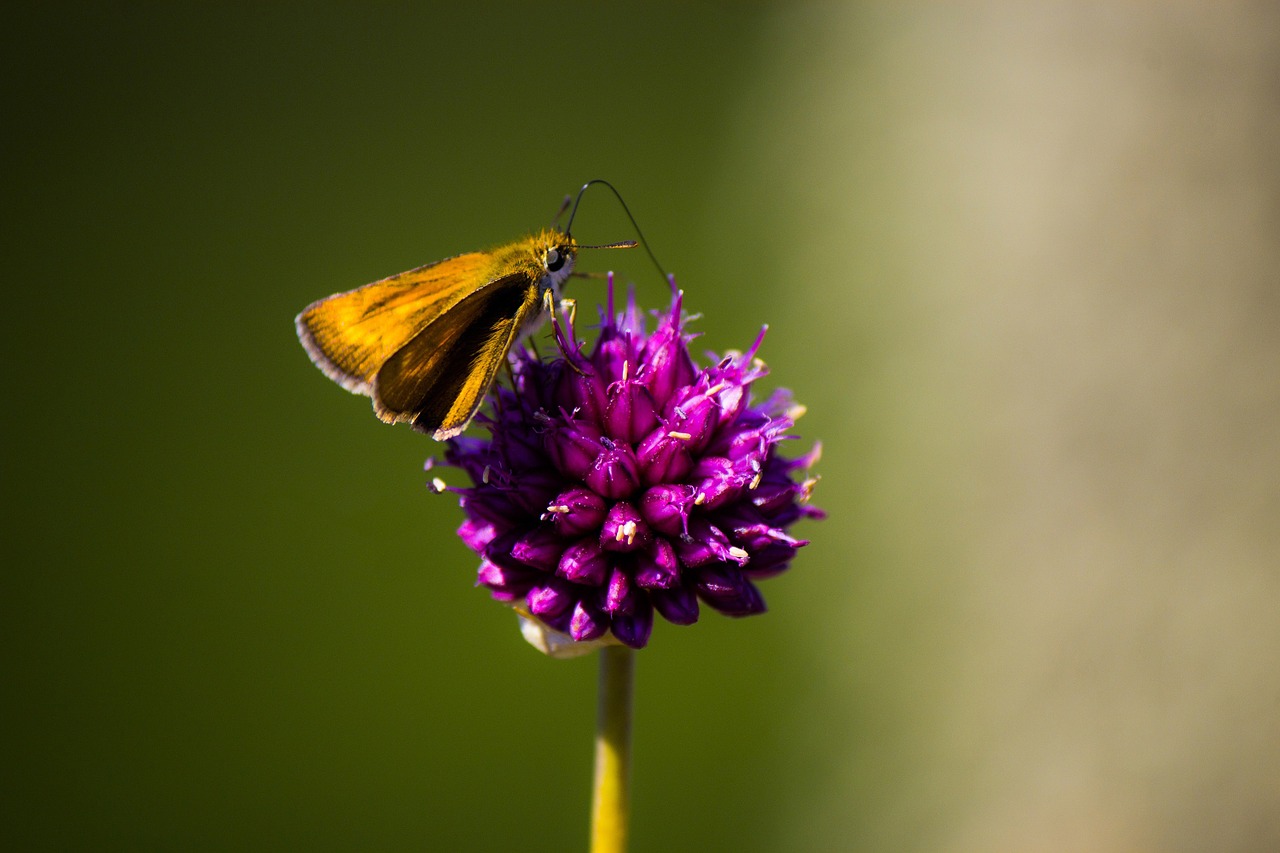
[
  {"x": 576, "y": 511},
  {"x": 666, "y": 508},
  {"x": 663, "y": 457},
  {"x": 630, "y": 413},
  {"x": 584, "y": 562},
  {"x": 633, "y": 627},
  {"x": 658, "y": 567},
  {"x": 624, "y": 529},
  {"x": 614, "y": 474},
  {"x": 588, "y": 622},
  {"x": 620, "y": 594},
  {"x": 550, "y": 599},
  {"x": 678, "y": 605},
  {"x": 573, "y": 448},
  {"x": 727, "y": 590}
]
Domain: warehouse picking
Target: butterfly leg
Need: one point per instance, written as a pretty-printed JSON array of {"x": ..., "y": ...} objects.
[
  {"x": 571, "y": 307},
  {"x": 566, "y": 305}
]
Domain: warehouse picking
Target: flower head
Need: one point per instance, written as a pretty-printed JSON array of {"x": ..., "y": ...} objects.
[{"x": 628, "y": 480}]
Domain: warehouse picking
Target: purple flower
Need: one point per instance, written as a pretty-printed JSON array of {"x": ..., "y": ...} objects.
[{"x": 628, "y": 480}]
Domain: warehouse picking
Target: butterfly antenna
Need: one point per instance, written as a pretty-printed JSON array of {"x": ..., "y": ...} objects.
[
  {"x": 564, "y": 205},
  {"x": 627, "y": 210}
]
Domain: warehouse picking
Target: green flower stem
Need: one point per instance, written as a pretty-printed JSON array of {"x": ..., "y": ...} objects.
[{"x": 610, "y": 800}]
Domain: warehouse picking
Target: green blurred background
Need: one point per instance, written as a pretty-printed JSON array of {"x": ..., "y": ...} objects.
[{"x": 1022, "y": 266}]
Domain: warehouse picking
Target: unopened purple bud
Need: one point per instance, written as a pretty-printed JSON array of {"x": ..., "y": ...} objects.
[
  {"x": 771, "y": 560},
  {"x": 549, "y": 600},
  {"x": 730, "y": 401},
  {"x": 506, "y": 583},
  {"x": 667, "y": 361},
  {"x": 584, "y": 562},
  {"x": 614, "y": 473},
  {"x": 678, "y": 605},
  {"x": 630, "y": 413},
  {"x": 771, "y": 497},
  {"x": 705, "y": 544},
  {"x": 666, "y": 508},
  {"x": 657, "y": 567},
  {"x": 633, "y": 628},
  {"x": 624, "y": 529},
  {"x": 754, "y": 537},
  {"x": 588, "y": 622},
  {"x": 727, "y": 590},
  {"x": 611, "y": 359},
  {"x": 664, "y": 457},
  {"x": 499, "y": 549},
  {"x": 775, "y": 489},
  {"x": 476, "y": 534},
  {"x": 717, "y": 481},
  {"x": 748, "y": 448},
  {"x": 559, "y": 622},
  {"x": 540, "y": 548},
  {"x": 574, "y": 447},
  {"x": 489, "y": 575},
  {"x": 620, "y": 594},
  {"x": 696, "y": 417},
  {"x": 576, "y": 511},
  {"x": 583, "y": 395}
]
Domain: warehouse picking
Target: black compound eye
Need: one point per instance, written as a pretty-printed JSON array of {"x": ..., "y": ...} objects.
[{"x": 553, "y": 260}]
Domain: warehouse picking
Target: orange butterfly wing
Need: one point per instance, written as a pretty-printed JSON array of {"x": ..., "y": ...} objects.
[
  {"x": 425, "y": 344},
  {"x": 439, "y": 378},
  {"x": 351, "y": 335}
]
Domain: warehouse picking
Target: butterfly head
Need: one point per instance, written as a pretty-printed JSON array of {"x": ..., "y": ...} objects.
[
  {"x": 558, "y": 253},
  {"x": 550, "y": 255}
]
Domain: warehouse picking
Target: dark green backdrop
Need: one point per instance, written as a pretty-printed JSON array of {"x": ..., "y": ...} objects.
[{"x": 234, "y": 617}]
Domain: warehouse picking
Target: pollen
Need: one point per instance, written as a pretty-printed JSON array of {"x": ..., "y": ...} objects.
[
  {"x": 626, "y": 531},
  {"x": 806, "y": 489}
]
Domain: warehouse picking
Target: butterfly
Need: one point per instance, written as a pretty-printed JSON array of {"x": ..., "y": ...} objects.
[{"x": 427, "y": 344}]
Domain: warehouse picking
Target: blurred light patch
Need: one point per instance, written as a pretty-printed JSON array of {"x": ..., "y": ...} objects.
[{"x": 1038, "y": 252}]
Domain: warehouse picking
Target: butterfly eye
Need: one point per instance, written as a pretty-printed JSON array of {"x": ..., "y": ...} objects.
[{"x": 553, "y": 260}]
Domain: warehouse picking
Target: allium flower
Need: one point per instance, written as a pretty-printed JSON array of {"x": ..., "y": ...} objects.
[{"x": 629, "y": 481}]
